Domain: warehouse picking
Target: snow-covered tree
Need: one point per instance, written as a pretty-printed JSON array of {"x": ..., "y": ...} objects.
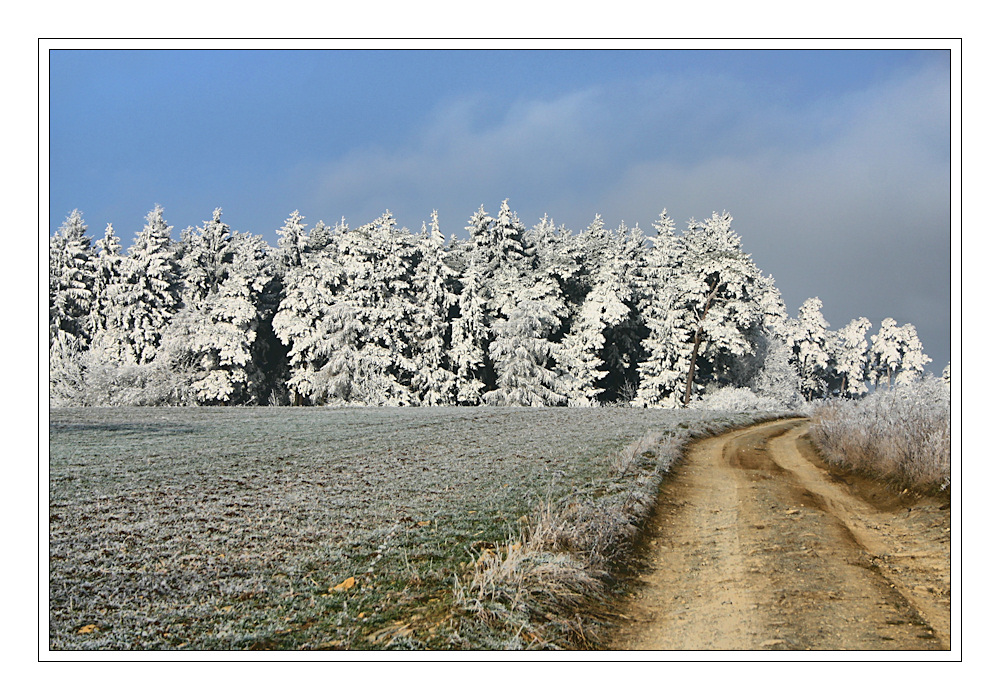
[
  {"x": 66, "y": 372},
  {"x": 313, "y": 326},
  {"x": 292, "y": 240},
  {"x": 850, "y": 355},
  {"x": 107, "y": 274},
  {"x": 663, "y": 374},
  {"x": 469, "y": 338},
  {"x": 664, "y": 369},
  {"x": 212, "y": 342},
  {"x": 555, "y": 255},
  {"x": 885, "y": 354},
  {"x": 379, "y": 284},
  {"x": 579, "y": 356},
  {"x": 522, "y": 351},
  {"x": 777, "y": 378},
  {"x": 480, "y": 243},
  {"x": 351, "y": 323},
  {"x": 913, "y": 360},
  {"x": 809, "y": 343},
  {"x": 505, "y": 263},
  {"x": 153, "y": 289},
  {"x": 322, "y": 236},
  {"x": 718, "y": 289},
  {"x": 71, "y": 280},
  {"x": 596, "y": 356},
  {"x": 433, "y": 381},
  {"x": 112, "y": 291}
]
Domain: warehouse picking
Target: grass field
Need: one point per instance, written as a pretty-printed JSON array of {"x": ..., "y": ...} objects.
[{"x": 315, "y": 528}]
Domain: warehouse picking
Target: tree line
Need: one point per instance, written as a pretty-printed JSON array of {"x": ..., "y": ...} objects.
[{"x": 505, "y": 316}]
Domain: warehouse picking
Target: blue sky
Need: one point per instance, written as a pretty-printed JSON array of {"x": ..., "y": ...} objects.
[{"x": 834, "y": 164}]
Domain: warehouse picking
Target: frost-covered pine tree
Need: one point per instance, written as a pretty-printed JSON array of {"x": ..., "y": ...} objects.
[
  {"x": 578, "y": 356},
  {"x": 470, "y": 338},
  {"x": 212, "y": 342},
  {"x": 601, "y": 340},
  {"x": 522, "y": 350},
  {"x": 480, "y": 243},
  {"x": 350, "y": 324},
  {"x": 322, "y": 236},
  {"x": 591, "y": 245},
  {"x": 71, "y": 307},
  {"x": 111, "y": 343},
  {"x": 385, "y": 259},
  {"x": 777, "y": 378},
  {"x": 315, "y": 326},
  {"x": 433, "y": 382},
  {"x": 913, "y": 360},
  {"x": 292, "y": 240},
  {"x": 506, "y": 263},
  {"x": 66, "y": 371},
  {"x": 71, "y": 280},
  {"x": 663, "y": 374},
  {"x": 660, "y": 261},
  {"x": 850, "y": 355},
  {"x": 107, "y": 273},
  {"x": 153, "y": 289},
  {"x": 664, "y": 369},
  {"x": 718, "y": 289},
  {"x": 809, "y": 342},
  {"x": 205, "y": 260},
  {"x": 885, "y": 354}
]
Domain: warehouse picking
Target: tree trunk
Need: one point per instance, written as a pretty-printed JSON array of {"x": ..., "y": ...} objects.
[
  {"x": 694, "y": 356},
  {"x": 697, "y": 341}
]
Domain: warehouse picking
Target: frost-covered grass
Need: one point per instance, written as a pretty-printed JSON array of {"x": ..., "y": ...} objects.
[
  {"x": 313, "y": 528},
  {"x": 902, "y": 435}
]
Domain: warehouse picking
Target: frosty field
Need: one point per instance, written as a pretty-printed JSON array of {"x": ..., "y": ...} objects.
[{"x": 308, "y": 528}]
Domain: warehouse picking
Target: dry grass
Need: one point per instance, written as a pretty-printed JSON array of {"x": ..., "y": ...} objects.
[
  {"x": 547, "y": 587},
  {"x": 901, "y": 435}
]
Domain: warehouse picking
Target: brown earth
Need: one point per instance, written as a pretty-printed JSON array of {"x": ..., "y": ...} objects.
[{"x": 758, "y": 544}]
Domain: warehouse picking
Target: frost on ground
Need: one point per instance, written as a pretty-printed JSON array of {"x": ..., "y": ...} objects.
[{"x": 278, "y": 528}]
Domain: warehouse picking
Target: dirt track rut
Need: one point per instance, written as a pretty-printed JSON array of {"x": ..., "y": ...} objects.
[{"x": 757, "y": 545}]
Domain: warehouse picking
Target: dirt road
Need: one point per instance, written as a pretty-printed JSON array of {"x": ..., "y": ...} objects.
[{"x": 756, "y": 547}]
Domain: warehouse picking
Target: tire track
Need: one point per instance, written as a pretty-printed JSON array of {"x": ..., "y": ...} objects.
[{"x": 755, "y": 547}]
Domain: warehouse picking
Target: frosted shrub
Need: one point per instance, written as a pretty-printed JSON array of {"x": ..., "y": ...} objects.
[
  {"x": 903, "y": 433},
  {"x": 737, "y": 399},
  {"x": 98, "y": 383}
]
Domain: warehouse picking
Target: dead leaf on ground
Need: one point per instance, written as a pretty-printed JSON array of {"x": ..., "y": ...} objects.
[{"x": 349, "y": 583}]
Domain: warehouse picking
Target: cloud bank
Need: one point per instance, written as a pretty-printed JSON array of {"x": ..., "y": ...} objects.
[{"x": 845, "y": 197}]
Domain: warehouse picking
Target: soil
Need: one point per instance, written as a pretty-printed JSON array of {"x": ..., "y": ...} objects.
[{"x": 757, "y": 544}]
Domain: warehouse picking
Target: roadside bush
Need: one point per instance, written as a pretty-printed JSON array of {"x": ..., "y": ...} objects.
[
  {"x": 740, "y": 400},
  {"x": 902, "y": 434}
]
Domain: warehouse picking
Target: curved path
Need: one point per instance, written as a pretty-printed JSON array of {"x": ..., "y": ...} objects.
[{"x": 755, "y": 547}]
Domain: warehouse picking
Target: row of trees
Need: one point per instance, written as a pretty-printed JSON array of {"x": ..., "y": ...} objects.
[{"x": 378, "y": 315}]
